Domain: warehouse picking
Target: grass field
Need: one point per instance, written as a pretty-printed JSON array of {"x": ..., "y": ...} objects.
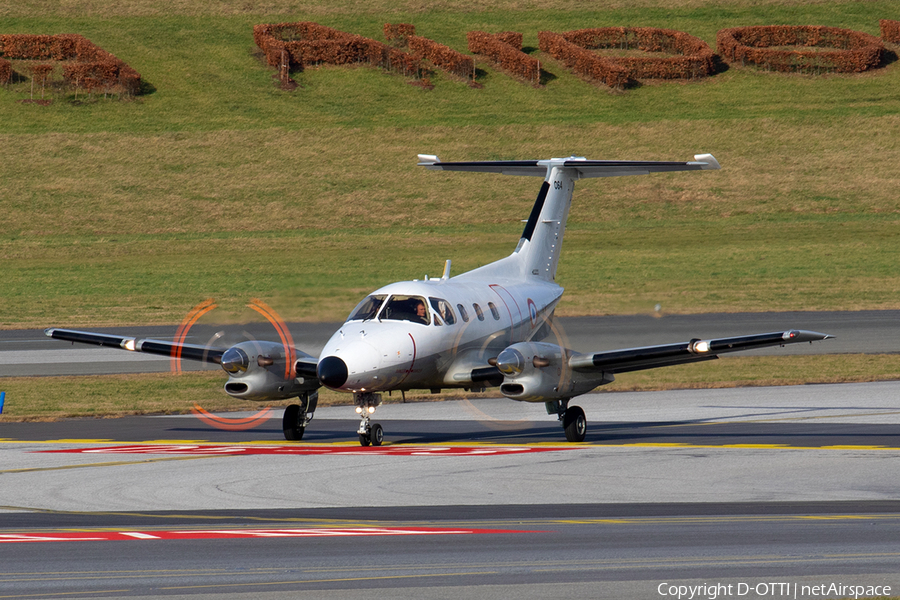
[{"x": 217, "y": 184}]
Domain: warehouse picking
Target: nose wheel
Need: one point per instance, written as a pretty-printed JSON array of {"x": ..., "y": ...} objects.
[
  {"x": 369, "y": 433},
  {"x": 375, "y": 435}
]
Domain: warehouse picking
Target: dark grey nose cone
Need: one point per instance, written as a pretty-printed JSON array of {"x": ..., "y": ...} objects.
[{"x": 332, "y": 372}]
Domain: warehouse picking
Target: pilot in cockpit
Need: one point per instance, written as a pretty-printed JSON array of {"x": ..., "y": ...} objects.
[{"x": 421, "y": 314}]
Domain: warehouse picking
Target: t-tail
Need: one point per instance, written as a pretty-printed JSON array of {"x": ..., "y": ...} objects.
[{"x": 537, "y": 254}]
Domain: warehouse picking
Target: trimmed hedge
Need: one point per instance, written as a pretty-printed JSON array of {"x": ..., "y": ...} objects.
[
  {"x": 692, "y": 57},
  {"x": 581, "y": 61},
  {"x": 443, "y": 57},
  {"x": 397, "y": 34},
  {"x": 5, "y": 71},
  {"x": 293, "y": 46},
  {"x": 505, "y": 49},
  {"x": 890, "y": 31},
  {"x": 853, "y": 51},
  {"x": 85, "y": 64}
]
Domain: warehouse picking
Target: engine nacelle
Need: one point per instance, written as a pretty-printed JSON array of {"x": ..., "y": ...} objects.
[
  {"x": 258, "y": 371},
  {"x": 540, "y": 372}
]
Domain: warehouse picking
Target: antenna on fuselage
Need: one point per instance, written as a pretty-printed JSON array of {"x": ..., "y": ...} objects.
[{"x": 446, "y": 274}]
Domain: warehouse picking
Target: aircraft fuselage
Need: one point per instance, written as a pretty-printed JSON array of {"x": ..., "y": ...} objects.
[{"x": 386, "y": 346}]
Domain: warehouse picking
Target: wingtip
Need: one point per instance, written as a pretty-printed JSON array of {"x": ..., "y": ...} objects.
[
  {"x": 426, "y": 160},
  {"x": 709, "y": 159},
  {"x": 803, "y": 335}
]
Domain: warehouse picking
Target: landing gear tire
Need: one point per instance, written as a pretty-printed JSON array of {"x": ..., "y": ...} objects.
[
  {"x": 376, "y": 435},
  {"x": 292, "y": 423},
  {"x": 575, "y": 424}
]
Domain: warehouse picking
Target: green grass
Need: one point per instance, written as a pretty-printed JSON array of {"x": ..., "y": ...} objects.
[
  {"x": 207, "y": 78},
  {"x": 217, "y": 184}
]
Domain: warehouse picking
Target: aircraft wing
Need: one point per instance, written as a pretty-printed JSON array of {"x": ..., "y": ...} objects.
[
  {"x": 650, "y": 357},
  {"x": 586, "y": 168},
  {"x": 304, "y": 364},
  {"x": 172, "y": 349}
]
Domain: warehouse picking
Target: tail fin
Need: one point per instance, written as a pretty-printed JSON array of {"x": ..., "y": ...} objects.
[
  {"x": 542, "y": 238},
  {"x": 541, "y": 241}
]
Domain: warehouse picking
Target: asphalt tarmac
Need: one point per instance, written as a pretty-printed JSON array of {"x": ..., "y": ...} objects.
[{"x": 759, "y": 492}]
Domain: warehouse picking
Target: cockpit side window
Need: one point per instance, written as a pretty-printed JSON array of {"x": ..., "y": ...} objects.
[
  {"x": 442, "y": 307},
  {"x": 406, "y": 308},
  {"x": 367, "y": 309}
]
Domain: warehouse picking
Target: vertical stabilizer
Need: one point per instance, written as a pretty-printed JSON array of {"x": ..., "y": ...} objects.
[{"x": 541, "y": 241}]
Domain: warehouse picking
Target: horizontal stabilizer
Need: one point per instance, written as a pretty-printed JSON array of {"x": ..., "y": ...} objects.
[{"x": 585, "y": 168}]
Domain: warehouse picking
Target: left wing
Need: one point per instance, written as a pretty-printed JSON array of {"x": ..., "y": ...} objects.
[{"x": 696, "y": 350}]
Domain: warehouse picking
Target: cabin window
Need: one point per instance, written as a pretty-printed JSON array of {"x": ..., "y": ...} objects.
[
  {"x": 406, "y": 308},
  {"x": 443, "y": 308},
  {"x": 494, "y": 311},
  {"x": 463, "y": 313},
  {"x": 367, "y": 309},
  {"x": 478, "y": 312}
]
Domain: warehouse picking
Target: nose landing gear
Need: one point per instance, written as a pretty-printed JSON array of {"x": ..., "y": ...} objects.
[{"x": 369, "y": 433}]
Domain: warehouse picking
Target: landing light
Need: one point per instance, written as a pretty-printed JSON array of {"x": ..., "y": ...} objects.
[
  {"x": 359, "y": 410},
  {"x": 701, "y": 346},
  {"x": 371, "y": 409},
  {"x": 129, "y": 344}
]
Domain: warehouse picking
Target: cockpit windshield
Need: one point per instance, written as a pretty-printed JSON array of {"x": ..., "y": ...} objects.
[
  {"x": 406, "y": 308},
  {"x": 397, "y": 307},
  {"x": 367, "y": 309}
]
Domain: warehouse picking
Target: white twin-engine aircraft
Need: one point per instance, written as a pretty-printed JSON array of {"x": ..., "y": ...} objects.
[{"x": 478, "y": 329}]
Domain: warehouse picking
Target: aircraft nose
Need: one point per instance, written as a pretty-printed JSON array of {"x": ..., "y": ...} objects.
[{"x": 332, "y": 372}]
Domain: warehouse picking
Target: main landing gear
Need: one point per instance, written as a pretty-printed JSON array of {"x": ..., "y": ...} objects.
[
  {"x": 297, "y": 416},
  {"x": 369, "y": 433},
  {"x": 571, "y": 417}
]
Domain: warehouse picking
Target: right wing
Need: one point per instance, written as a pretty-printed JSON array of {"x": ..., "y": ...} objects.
[
  {"x": 171, "y": 349},
  {"x": 304, "y": 365}
]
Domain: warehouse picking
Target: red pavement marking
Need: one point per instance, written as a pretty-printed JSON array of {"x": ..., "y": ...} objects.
[
  {"x": 311, "y": 450},
  {"x": 213, "y": 534}
]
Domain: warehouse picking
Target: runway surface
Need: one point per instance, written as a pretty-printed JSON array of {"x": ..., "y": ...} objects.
[
  {"x": 30, "y": 352},
  {"x": 794, "y": 486}
]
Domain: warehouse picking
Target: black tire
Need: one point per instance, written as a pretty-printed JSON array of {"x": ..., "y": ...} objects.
[
  {"x": 363, "y": 439},
  {"x": 290, "y": 423},
  {"x": 575, "y": 424},
  {"x": 376, "y": 434}
]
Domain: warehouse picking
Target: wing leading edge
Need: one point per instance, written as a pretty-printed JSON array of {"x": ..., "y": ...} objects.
[
  {"x": 172, "y": 349},
  {"x": 651, "y": 357},
  {"x": 304, "y": 365}
]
